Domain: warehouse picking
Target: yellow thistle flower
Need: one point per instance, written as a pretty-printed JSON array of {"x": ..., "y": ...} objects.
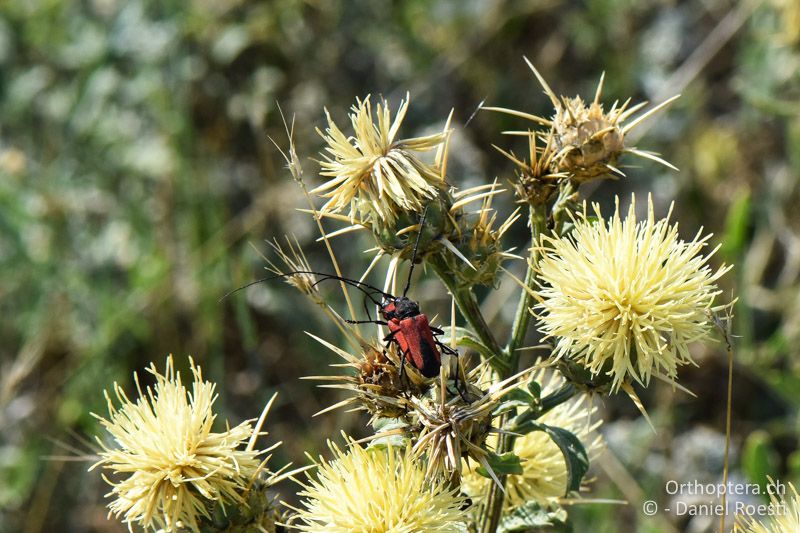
[
  {"x": 544, "y": 469},
  {"x": 372, "y": 172},
  {"x": 785, "y": 517},
  {"x": 378, "y": 490},
  {"x": 626, "y": 298},
  {"x": 169, "y": 467}
]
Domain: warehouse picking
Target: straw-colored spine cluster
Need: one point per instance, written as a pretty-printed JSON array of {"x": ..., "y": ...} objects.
[
  {"x": 784, "y": 515},
  {"x": 372, "y": 171}
]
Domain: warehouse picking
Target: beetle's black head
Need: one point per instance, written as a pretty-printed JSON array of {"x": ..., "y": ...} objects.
[{"x": 399, "y": 308}]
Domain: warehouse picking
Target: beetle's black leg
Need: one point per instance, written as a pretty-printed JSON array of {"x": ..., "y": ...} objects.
[
  {"x": 446, "y": 349},
  {"x": 404, "y": 380},
  {"x": 366, "y": 309},
  {"x": 462, "y": 391},
  {"x": 403, "y": 375}
]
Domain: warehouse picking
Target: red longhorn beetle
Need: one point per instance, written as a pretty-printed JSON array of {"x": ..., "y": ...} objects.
[{"x": 409, "y": 328}]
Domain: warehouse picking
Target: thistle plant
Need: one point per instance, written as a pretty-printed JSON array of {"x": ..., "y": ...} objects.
[{"x": 462, "y": 436}]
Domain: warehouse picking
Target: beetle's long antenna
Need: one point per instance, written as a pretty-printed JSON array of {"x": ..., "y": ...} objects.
[
  {"x": 367, "y": 289},
  {"x": 414, "y": 253}
]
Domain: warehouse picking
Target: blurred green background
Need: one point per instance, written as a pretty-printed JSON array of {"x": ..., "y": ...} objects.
[{"x": 136, "y": 170}]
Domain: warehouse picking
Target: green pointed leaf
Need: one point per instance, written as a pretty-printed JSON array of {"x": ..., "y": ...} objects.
[
  {"x": 515, "y": 399},
  {"x": 523, "y": 423},
  {"x": 557, "y": 397},
  {"x": 507, "y": 463},
  {"x": 389, "y": 425},
  {"x": 574, "y": 453},
  {"x": 383, "y": 424},
  {"x": 467, "y": 339}
]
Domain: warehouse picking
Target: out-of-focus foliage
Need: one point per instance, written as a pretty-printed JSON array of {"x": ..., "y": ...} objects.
[{"x": 135, "y": 167}]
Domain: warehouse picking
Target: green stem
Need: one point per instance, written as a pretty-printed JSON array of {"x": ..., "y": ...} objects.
[
  {"x": 538, "y": 224},
  {"x": 468, "y": 305}
]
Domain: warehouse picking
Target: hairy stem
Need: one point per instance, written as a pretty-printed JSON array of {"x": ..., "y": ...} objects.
[{"x": 538, "y": 224}]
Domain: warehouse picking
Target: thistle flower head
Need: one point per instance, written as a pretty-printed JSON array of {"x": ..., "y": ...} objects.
[
  {"x": 537, "y": 176},
  {"x": 447, "y": 431},
  {"x": 544, "y": 477},
  {"x": 168, "y": 466},
  {"x": 376, "y": 385},
  {"x": 625, "y": 298},
  {"x": 377, "y": 490},
  {"x": 372, "y": 172},
  {"x": 587, "y": 139},
  {"x": 472, "y": 249}
]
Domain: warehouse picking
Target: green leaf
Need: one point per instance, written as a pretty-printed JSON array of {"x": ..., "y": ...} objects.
[
  {"x": 759, "y": 458},
  {"x": 515, "y": 399},
  {"x": 574, "y": 453},
  {"x": 467, "y": 339},
  {"x": 387, "y": 425},
  {"x": 530, "y": 516},
  {"x": 383, "y": 424},
  {"x": 558, "y": 397},
  {"x": 535, "y": 389},
  {"x": 507, "y": 463},
  {"x": 523, "y": 423}
]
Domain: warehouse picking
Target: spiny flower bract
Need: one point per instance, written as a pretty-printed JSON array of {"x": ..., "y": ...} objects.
[
  {"x": 377, "y": 490},
  {"x": 785, "y": 517},
  {"x": 169, "y": 467},
  {"x": 586, "y": 140},
  {"x": 374, "y": 174},
  {"x": 625, "y": 298}
]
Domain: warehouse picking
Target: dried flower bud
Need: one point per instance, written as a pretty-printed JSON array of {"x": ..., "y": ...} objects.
[
  {"x": 377, "y": 386},
  {"x": 588, "y": 141},
  {"x": 536, "y": 181}
]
